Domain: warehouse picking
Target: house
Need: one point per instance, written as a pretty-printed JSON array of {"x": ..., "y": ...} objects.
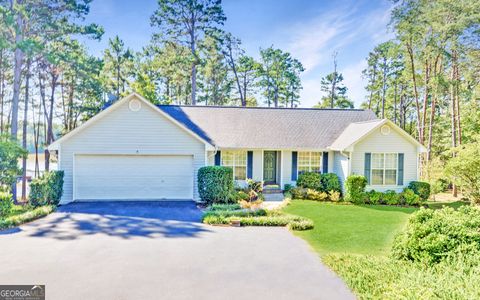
[{"x": 136, "y": 150}]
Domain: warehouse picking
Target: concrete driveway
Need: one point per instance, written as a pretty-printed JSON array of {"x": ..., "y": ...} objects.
[{"x": 160, "y": 250}]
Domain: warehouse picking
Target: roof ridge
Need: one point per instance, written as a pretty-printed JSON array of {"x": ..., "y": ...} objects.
[
  {"x": 263, "y": 107},
  {"x": 368, "y": 121}
]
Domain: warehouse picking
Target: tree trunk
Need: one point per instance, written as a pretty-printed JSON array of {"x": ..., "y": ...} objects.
[
  {"x": 453, "y": 97},
  {"x": 194, "y": 62},
  {"x": 415, "y": 90},
  {"x": 2, "y": 90},
  {"x": 425, "y": 102},
  {"x": 49, "y": 117},
  {"x": 24, "y": 132},
  {"x": 384, "y": 86}
]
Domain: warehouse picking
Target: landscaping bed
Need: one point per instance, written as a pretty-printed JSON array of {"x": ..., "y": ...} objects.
[
  {"x": 233, "y": 214},
  {"x": 24, "y": 214}
]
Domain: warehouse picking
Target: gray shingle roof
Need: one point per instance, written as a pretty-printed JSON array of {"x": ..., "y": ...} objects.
[
  {"x": 267, "y": 128},
  {"x": 354, "y": 132}
]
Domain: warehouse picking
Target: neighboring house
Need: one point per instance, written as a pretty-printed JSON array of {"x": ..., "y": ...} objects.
[{"x": 138, "y": 151}]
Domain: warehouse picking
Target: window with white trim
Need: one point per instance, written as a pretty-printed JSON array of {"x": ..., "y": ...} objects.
[
  {"x": 384, "y": 168},
  {"x": 237, "y": 160},
  {"x": 309, "y": 162}
]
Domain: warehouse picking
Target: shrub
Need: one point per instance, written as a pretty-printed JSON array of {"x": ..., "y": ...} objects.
[
  {"x": 251, "y": 204},
  {"x": 256, "y": 186},
  {"x": 241, "y": 195},
  {"x": 287, "y": 188},
  {"x": 27, "y": 216},
  {"x": 6, "y": 203},
  {"x": 334, "y": 196},
  {"x": 432, "y": 236},
  {"x": 355, "y": 188},
  {"x": 374, "y": 197},
  {"x": 298, "y": 193},
  {"x": 330, "y": 182},
  {"x": 310, "y": 180},
  {"x": 391, "y": 198},
  {"x": 215, "y": 184},
  {"x": 420, "y": 188},
  {"x": 316, "y": 195},
  {"x": 410, "y": 198},
  {"x": 47, "y": 189}
]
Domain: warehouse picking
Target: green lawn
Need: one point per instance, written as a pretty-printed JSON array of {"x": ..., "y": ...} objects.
[
  {"x": 354, "y": 229},
  {"x": 355, "y": 240}
]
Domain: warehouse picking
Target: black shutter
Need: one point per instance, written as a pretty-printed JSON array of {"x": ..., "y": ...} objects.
[
  {"x": 249, "y": 164},
  {"x": 325, "y": 162},
  {"x": 217, "y": 158},
  {"x": 400, "y": 169},
  {"x": 368, "y": 158},
  {"x": 294, "y": 165}
]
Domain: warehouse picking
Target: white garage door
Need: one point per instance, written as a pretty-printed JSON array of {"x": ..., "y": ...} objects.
[{"x": 133, "y": 177}]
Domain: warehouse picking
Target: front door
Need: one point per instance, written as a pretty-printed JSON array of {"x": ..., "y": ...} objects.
[{"x": 270, "y": 167}]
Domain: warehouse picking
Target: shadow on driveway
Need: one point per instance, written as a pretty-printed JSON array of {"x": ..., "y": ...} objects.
[{"x": 120, "y": 219}]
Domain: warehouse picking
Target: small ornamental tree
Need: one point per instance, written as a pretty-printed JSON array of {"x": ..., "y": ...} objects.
[
  {"x": 464, "y": 170},
  {"x": 310, "y": 180},
  {"x": 10, "y": 153}
]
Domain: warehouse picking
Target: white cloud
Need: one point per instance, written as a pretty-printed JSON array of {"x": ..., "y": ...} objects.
[
  {"x": 352, "y": 77},
  {"x": 313, "y": 43}
]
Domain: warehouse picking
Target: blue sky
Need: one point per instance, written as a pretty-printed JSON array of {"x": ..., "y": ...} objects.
[{"x": 311, "y": 30}]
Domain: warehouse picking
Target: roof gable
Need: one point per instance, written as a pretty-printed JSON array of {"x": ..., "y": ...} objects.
[
  {"x": 55, "y": 145},
  {"x": 358, "y": 131}
]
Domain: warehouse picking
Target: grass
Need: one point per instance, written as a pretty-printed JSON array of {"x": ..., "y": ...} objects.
[
  {"x": 452, "y": 204},
  {"x": 355, "y": 242},
  {"x": 23, "y": 214},
  {"x": 339, "y": 228}
]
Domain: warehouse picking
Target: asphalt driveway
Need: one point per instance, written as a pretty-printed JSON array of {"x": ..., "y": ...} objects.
[{"x": 160, "y": 250}]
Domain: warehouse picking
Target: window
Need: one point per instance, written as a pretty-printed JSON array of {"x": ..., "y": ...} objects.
[
  {"x": 309, "y": 162},
  {"x": 237, "y": 160},
  {"x": 384, "y": 168}
]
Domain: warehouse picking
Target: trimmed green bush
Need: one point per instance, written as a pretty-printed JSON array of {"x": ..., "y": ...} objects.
[
  {"x": 215, "y": 184},
  {"x": 310, "y": 180},
  {"x": 330, "y": 182},
  {"x": 391, "y": 198},
  {"x": 374, "y": 197},
  {"x": 6, "y": 203},
  {"x": 410, "y": 198},
  {"x": 432, "y": 236},
  {"x": 47, "y": 189},
  {"x": 355, "y": 188},
  {"x": 420, "y": 188}
]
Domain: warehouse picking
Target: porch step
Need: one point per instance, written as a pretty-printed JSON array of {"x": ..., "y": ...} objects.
[
  {"x": 272, "y": 190},
  {"x": 273, "y": 197}
]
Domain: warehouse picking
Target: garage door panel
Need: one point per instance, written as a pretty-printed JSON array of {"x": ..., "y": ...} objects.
[{"x": 118, "y": 177}]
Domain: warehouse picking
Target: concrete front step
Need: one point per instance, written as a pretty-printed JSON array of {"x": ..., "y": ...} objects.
[
  {"x": 273, "y": 197},
  {"x": 272, "y": 191}
]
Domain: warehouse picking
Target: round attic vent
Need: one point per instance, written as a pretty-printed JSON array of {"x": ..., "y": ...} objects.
[
  {"x": 134, "y": 105},
  {"x": 385, "y": 130}
]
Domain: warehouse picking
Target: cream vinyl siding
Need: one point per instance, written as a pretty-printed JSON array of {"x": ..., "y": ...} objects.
[
  {"x": 340, "y": 166},
  {"x": 133, "y": 177},
  {"x": 125, "y": 132},
  {"x": 376, "y": 142},
  {"x": 287, "y": 168},
  {"x": 257, "y": 170}
]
